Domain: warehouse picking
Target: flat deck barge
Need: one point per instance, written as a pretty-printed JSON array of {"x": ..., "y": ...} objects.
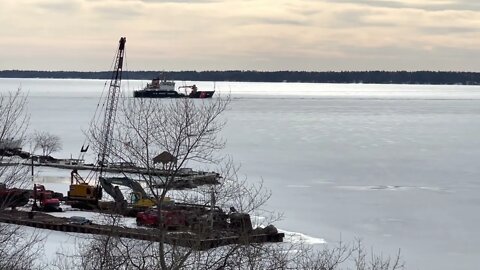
[{"x": 181, "y": 238}]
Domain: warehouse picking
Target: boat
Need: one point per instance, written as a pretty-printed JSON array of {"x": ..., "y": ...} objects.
[{"x": 161, "y": 88}]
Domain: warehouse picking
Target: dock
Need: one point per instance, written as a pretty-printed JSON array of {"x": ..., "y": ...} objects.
[
  {"x": 182, "y": 179},
  {"x": 181, "y": 238}
]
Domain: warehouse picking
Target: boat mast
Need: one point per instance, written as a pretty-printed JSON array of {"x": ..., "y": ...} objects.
[{"x": 111, "y": 106}]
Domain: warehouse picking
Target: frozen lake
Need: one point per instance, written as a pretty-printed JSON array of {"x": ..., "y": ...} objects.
[{"x": 395, "y": 165}]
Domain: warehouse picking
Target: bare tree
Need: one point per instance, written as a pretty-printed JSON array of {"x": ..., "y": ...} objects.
[
  {"x": 18, "y": 247},
  {"x": 105, "y": 252},
  {"x": 188, "y": 130},
  {"x": 13, "y": 125},
  {"x": 48, "y": 143}
]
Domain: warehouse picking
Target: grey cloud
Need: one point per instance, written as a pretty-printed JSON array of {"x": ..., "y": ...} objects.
[
  {"x": 448, "y": 30},
  {"x": 459, "y": 5},
  {"x": 305, "y": 12},
  {"x": 407, "y": 58},
  {"x": 465, "y": 5},
  {"x": 158, "y": 1},
  {"x": 361, "y": 58},
  {"x": 356, "y": 19},
  {"x": 119, "y": 13},
  {"x": 180, "y": 1},
  {"x": 281, "y": 21},
  {"x": 250, "y": 20},
  {"x": 456, "y": 5},
  {"x": 375, "y": 3},
  {"x": 59, "y": 6}
]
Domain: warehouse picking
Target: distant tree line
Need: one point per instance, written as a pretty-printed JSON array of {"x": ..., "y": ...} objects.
[{"x": 375, "y": 77}]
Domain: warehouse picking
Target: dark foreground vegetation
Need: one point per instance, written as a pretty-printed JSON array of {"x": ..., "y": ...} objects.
[{"x": 376, "y": 77}]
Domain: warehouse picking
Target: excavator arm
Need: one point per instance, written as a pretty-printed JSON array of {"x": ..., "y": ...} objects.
[{"x": 108, "y": 183}]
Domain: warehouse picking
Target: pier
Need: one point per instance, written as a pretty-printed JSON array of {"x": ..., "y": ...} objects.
[{"x": 193, "y": 240}]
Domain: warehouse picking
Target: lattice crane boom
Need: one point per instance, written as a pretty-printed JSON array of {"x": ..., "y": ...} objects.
[{"x": 111, "y": 106}]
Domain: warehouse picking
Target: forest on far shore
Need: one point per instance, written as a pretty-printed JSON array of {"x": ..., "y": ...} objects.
[{"x": 374, "y": 77}]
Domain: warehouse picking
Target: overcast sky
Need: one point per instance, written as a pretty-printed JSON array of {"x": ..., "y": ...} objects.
[{"x": 319, "y": 35}]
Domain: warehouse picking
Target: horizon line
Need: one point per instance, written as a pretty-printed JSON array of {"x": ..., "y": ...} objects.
[{"x": 246, "y": 70}]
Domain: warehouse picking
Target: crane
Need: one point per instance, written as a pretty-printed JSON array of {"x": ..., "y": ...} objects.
[
  {"x": 81, "y": 193},
  {"x": 111, "y": 106}
]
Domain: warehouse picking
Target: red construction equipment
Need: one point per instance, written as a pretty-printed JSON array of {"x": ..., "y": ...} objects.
[
  {"x": 170, "y": 218},
  {"x": 13, "y": 197},
  {"x": 47, "y": 200},
  {"x": 196, "y": 218}
]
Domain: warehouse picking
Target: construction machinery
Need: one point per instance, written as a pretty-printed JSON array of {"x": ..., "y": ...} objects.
[
  {"x": 13, "y": 197},
  {"x": 195, "y": 217},
  {"x": 170, "y": 219},
  {"x": 81, "y": 193},
  {"x": 138, "y": 199},
  {"x": 48, "y": 201}
]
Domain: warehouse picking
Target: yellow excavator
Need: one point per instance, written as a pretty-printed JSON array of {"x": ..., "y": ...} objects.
[
  {"x": 138, "y": 196},
  {"x": 138, "y": 199}
]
